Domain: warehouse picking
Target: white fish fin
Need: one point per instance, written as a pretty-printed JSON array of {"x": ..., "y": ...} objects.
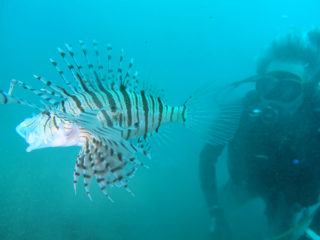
[
  {"x": 109, "y": 71},
  {"x": 125, "y": 78},
  {"x": 5, "y": 98},
  {"x": 62, "y": 76},
  {"x": 87, "y": 172},
  {"x": 57, "y": 90},
  {"x": 75, "y": 71},
  {"x": 89, "y": 120},
  {"x": 46, "y": 97},
  {"x": 109, "y": 161},
  {"x": 44, "y": 94},
  {"x": 144, "y": 146},
  {"x": 120, "y": 70},
  {"x": 93, "y": 74},
  {"x": 160, "y": 141},
  {"x": 99, "y": 65},
  {"x": 91, "y": 123},
  {"x": 214, "y": 119},
  {"x": 164, "y": 137}
]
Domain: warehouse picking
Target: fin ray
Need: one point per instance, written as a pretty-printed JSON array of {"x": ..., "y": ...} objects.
[
  {"x": 207, "y": 116},
  {"x": 109, "y": 161}
]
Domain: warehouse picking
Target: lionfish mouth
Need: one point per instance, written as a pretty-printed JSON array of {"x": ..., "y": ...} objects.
[{"x": 29, "y": 136}]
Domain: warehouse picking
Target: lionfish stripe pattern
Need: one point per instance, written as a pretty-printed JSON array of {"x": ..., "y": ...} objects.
[{"x": 104, "y": 111}]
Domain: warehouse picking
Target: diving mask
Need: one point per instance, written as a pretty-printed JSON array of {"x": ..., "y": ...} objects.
[{"x": 279, "y": 86}]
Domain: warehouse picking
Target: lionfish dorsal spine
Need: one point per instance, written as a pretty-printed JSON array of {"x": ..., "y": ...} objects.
[
  {"x": 99, "y": 68},
  {"x": 60, "y": 92},
  {"x": 127, "y": 81},
  {"x": 42, "y": 93},
  {"x": 77, "y": 76},
  {"x": 109, "y": 69},
  {"x": 63, "y": 78},
  {"x": 120, "y": 71},
  {"x": 91, "y": 74},
  {"x": 94, "y": 69}
]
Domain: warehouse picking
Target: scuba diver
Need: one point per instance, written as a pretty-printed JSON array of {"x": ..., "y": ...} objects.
[{"x": 275, "y": 153}]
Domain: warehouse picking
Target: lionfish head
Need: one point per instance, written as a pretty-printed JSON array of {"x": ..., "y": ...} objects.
[{"x": 46, "y": 130}]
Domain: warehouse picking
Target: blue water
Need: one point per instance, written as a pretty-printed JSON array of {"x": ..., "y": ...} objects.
[{"x": 179, "y": 45}]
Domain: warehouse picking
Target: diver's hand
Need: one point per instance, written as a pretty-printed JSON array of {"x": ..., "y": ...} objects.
[{"x": 219, "y": 228}]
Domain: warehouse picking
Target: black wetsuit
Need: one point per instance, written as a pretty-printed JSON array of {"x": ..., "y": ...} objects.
[
  {"x": 281, "y": 156},
  {"x": 270, "y": 157}
]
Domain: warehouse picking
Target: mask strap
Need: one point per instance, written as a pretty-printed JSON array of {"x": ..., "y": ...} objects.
[{"x": 251, "y": 79}]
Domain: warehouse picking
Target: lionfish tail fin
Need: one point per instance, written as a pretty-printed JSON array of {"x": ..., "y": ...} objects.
[{"x": 216, "y": 121}]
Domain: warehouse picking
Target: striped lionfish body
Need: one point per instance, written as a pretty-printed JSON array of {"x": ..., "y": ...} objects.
[
  {"x": 103, "y": 111},
  {"x": 136, "y": 113}
]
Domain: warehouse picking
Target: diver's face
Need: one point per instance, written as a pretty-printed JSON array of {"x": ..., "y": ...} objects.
[{"x": 281, "y": 87}]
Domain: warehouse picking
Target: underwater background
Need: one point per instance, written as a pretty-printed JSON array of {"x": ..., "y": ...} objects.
[{"x": 178, "y": 45}]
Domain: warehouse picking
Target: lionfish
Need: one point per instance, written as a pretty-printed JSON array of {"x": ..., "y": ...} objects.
[{"x": 107, "y": 113}]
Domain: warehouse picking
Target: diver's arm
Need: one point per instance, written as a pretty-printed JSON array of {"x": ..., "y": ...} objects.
[{"x": 208, "y": 159}]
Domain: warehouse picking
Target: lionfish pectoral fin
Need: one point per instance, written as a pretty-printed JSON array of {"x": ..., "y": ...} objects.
[
  {"x": 89, "y": 120},
  {"x": 111, "y": 162}
]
